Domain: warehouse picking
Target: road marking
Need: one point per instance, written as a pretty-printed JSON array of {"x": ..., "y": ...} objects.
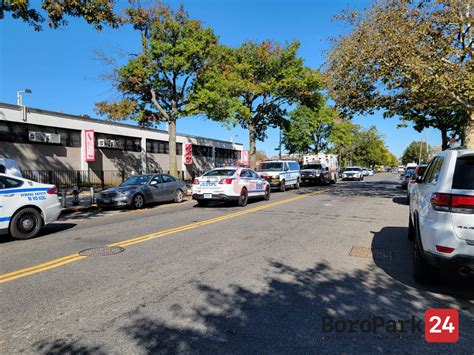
[{"x": 76, "y": 257}]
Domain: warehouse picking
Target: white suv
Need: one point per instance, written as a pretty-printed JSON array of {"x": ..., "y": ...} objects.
[{"x": 442, "y": 216}]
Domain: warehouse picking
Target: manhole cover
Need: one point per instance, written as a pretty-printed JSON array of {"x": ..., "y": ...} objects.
[
  {"x": 102, "y": 251},
  {"x": 369, "y": 253}
]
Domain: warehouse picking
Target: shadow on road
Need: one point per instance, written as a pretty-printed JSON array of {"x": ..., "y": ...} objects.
[
  {"x": 46, "y": 230},
  {"x": 394, "y": 241},
  {"x": 64, "y": 347},
  {"x": 381, "y": 189},
  {"x": 286, "y": 315}
]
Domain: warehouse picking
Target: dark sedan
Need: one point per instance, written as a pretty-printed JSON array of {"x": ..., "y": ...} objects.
[{"x": 139, "y": 190}]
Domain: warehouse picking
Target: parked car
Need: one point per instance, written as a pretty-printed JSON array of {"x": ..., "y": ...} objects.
[
  {"x": 139, "y": 190},
  {"x": 353, "y": 173},
  {"x": 280, "y": 174},
  {"x": 406, "y": 177},
  {"x": 365, "y": 171},
  {"x": 26, "y": 206},
  {"x": 315, "y": 174},
  {"x": 371, "y": 172},
  {"x": 419, "y": 171},
  {"x": 330, "y": 162},
  {"x": 441, "y": 215},
  {"x": 234, "y": 184}
]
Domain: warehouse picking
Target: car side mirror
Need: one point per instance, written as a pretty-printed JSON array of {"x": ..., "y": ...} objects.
[{"x": 154, "y": 182}]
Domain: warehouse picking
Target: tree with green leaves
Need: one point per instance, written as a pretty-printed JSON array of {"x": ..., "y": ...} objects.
[
  {"x": 96, "y": 12},
  {"x": 416, "y": 151},
  {"x": 254, "y": 84},
  {"x": 406, "y": 54},
  {"x": 159, "y": 83},
  {"x": 308, "y": 129}
]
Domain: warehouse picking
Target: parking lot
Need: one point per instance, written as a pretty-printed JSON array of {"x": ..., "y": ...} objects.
[{"x": 226, "y": 279}]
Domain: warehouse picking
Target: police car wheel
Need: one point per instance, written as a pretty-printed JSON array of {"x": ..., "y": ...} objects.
[
  {"x": 266, "y": 197},
  {"x": 244, "y": 198},
  {"x": 138, "y": 201},
  {"x": 26, "y": 224}
]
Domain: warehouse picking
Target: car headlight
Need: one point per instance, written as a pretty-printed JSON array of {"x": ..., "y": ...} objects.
[
  {"x": 125, "y": 193},
  {"x": 344, "y": 175}
]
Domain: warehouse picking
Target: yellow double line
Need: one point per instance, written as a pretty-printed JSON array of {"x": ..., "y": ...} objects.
[{"x": 76, "y": 257}]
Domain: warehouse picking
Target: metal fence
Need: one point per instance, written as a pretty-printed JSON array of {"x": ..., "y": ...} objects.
[{"x": 66, "y": 179}]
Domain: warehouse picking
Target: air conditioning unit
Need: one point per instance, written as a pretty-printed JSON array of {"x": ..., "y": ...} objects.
[
  {"x": 53, "y": 138},
  {"x": 108, "y": 143},
  {"x": 37, "y": 137}
]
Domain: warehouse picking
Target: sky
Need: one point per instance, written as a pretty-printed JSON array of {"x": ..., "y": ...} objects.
[{"x": 64, "y": 71}]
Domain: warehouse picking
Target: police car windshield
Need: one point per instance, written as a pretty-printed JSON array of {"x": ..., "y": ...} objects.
[
  {"x": 220, "y": 172},
  {"x": 136, "y": 180},
  {"x": 312, "y": 166},
  {"x": 270, "y": 166}
]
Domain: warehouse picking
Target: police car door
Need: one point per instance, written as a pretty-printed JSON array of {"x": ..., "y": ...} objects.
[
  {"x": 246, "y": 180},
  {"x": 257, "y": 183},
  {"x": 8, "y": 203}
]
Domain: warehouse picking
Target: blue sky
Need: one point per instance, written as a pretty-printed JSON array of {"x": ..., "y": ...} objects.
[{"x": 62, "y": 69}]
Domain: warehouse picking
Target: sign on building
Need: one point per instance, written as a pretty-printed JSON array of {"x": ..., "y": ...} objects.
[
  {"x": 245, "y": 157},
  {"x": 90, "y": 145},
  {"x": 188, "y": 153}
]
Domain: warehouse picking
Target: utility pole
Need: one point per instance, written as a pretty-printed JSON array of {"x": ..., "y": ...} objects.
[{"x": 279, "y": 153}]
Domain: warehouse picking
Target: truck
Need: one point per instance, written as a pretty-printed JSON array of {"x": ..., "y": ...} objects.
[{"x": 330, "y": 162}]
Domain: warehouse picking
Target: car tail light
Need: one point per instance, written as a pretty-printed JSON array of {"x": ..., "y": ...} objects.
[
  {"x": 225, "y": 181},
  {"x": 442, "y": 249},
  {"x": 452, "y": 203},
  {"x": 53, "y": 191},
  {"x": 195, "y": 182}
]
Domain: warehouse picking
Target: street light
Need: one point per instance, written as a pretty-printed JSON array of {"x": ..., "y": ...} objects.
[{"x": 18, "y": 95}]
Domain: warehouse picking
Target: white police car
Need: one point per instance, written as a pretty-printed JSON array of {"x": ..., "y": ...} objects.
[
  {"x": 25, "y": 206},
  {"x": 233, "y": 184}
]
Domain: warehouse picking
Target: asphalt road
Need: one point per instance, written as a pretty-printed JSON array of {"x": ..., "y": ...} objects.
[{"x": 224, "y": 279}]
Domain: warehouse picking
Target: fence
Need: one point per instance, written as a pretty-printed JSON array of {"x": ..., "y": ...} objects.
[{"x": 66, "y": 179}]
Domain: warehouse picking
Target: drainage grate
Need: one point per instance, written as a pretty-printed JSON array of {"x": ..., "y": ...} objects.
[
  {"x": 102, "y": 251},
  {"x": 371, "y": 253}
]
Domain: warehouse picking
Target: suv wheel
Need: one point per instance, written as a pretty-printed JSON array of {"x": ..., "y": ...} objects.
[
  {"x": 282, "y": 186},
  {"x": 422, "y": 271},
  {"x": 297, "y": 185}
]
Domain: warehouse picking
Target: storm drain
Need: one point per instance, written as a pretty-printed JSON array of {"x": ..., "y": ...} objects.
[
  {"x": 102, "y": 251},
  {"x": 371, "y": 253}
]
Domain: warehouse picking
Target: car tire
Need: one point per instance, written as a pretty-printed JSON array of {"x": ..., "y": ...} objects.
[
  {"x": 422, "y": 271},
  {"x": 243, "y": 198},
  {"x": 333, "y": 181},
  {"x": 297, "y": 185},
  {"x": 26, "y": 224},
  {"x": 411, "y": 229},
  {"x": 178, "y": 196},
  {"x": 203, "y": 203},
  {"x": 266, "y": 197},
  {"x": 282, "y": 186},
  {"x": 138, "y": 201}
]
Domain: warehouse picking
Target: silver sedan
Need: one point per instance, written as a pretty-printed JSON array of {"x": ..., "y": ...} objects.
[{"x": 139, "y": 190}]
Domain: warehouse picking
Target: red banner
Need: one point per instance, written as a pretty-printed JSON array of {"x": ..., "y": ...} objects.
[
  {"x": 188, "y": 153},
  {"x": 90, "y": 145}
]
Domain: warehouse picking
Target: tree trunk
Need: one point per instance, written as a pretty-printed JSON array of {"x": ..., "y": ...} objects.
[
  {"x": 252, "y": 146},
  {"x": 172, "y": 147},
  {"x": 469, "y": 132},
  {"x": 444, "y": 138}
]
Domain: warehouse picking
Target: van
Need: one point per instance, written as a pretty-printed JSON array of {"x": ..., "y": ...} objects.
[{"x": 280, "y": 173}]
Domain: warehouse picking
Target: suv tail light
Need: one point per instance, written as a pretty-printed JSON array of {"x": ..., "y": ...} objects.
[
  {"x": 53, "y": 191},
  {"x": 195, "y": 182},
  {"x": 225, "y": 181},
  {"x": 452, "y": 203}
]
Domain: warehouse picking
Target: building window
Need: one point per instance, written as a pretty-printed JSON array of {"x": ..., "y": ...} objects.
[
  {"x": 162, "y": 147},
  {"x": 202, "y": 151},
  {"x": 108, "y": 141},
  {"x": 228, "y": 154}
]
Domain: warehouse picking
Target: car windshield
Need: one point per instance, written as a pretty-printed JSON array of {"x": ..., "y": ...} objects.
[
  {"x": 270, "y": 166},
  {"x": 312, "y": 166},
  {"x": 220, "y": 172},
  {"x": 353, "y": 169},
  {"x": 136, "y": 180}
]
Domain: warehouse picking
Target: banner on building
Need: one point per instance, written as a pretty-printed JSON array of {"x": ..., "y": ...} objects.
[
  {"x": 245, "y": 157},
  {"x": 90, "y": 145},
  {"x": 188, "y": 153}
]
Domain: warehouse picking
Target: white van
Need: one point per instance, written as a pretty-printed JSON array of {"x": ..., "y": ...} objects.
[
  {"x": 280, "y": 173},
  {"x": 9, "y": 167}
]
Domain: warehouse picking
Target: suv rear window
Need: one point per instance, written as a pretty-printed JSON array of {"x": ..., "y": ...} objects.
[{"x": 464, "y": 173}]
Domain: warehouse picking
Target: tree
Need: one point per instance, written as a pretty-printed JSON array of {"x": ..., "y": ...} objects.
[
  {"x": 159, "y": 84},
  {"x": 95, "y": 12},
  {"x": 254, "y": 84},
  {"x": 401, "y": 54},
  {"x": 412, "y": 153},
  {"x": 261, "y": 155},
  {"x": 308, "y": 129}
]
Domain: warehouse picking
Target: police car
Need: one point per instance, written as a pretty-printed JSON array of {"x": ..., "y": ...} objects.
[
  {"x": 25, "y": 206},
  {"x": 235, "y": 184}
]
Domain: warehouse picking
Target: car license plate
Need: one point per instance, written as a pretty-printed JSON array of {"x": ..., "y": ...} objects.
[{"x": 207, "y": 195}]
